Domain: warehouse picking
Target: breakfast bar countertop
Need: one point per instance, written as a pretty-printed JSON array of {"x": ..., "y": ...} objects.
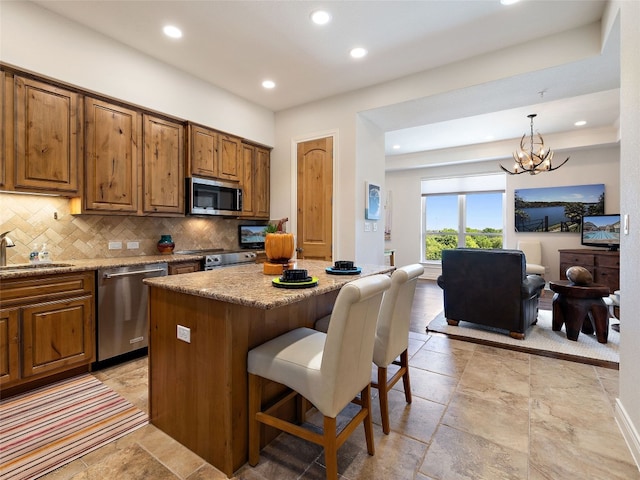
[{"x": 247, "y": 285}]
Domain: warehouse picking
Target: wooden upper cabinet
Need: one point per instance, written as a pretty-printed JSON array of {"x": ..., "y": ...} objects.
[
  {"x": 213, "y": 154},
  {"x": 262, "y": 182},
  {"x": 229, "y": 158},
  {"x": 202, "y": 159},
  {"x": 163, "y": 166},
  {"x": 255, "y": 181},
  {"x": 112, "y": 138},
  {"x": 5, "y": 136},
  {"x": 248, "y": 167},
  {"x": 47, "y": 137}
]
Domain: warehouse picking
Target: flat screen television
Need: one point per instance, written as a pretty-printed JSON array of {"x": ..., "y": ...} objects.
[
  {"x": 601, "y": 231},
  {"x": 251, "y": 236}
]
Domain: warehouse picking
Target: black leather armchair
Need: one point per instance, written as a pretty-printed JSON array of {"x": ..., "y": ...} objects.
[{"x": 490, "y": 287}]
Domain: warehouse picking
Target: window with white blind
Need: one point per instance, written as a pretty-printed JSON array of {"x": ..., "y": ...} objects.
[{"x": 473, "y": 218}]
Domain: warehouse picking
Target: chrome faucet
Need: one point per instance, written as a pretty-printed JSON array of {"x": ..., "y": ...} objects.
[{"x": 4, "y": 243}]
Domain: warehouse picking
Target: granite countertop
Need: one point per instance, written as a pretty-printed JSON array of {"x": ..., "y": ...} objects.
[
  {"x": 248, "y": 285},
  {"x": 68, "y": 266}
]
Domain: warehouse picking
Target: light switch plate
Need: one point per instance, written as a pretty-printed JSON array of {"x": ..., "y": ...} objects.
[
  {"x": 133, "y": 245},
  {"x": 367, "y": 226}
]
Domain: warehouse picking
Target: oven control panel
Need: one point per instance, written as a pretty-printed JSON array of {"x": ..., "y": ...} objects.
[{"x": 228, "y": 259}]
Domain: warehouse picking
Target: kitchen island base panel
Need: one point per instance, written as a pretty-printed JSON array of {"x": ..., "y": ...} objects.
[{"x": 198, "y": 391}]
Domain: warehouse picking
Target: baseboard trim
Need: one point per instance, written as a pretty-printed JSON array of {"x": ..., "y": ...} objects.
[{"x": 629, "y": 432}]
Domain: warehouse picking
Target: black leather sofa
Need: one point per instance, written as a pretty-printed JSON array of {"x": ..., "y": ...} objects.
[{"x": 491, "y": 288}]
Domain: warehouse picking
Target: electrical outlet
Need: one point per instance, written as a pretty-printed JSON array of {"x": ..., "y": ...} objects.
[
  {"x": 184, "y": 334},
  {"x": 367, "y": 226},
  {"x": 115, "y": 245},
  {"x": 133, "y": 245}
]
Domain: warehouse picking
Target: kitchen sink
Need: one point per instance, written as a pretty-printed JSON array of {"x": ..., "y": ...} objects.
[{"x": 33, "y": 266}]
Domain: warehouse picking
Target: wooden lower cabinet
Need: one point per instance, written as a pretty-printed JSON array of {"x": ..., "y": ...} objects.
[
  {"x": 9, "y": 349},
  {"x": 56, "y": 335},
  {"x": 604, "y": 265},
  {"x": 184, "y": 267},
  {"x": 47, "y": 327}
]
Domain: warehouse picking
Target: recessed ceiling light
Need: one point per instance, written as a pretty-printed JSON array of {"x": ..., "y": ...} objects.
[
  {"x": 269, "y": 84},
  {"x": 171, "y": 31},
  {"x": 320, "y": 17},
  {"x": 396, "y": 147},
  {"x": 580, "y": 123},
  {"x": 489, "y": 138},
  {"x": 358, "y": 52},
  {"x": 508, "y": 2}
]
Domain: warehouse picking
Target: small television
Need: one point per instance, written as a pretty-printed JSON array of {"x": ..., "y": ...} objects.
[
  {"x": 601, "y": 231},
  {"x": 251, "y": 236}
]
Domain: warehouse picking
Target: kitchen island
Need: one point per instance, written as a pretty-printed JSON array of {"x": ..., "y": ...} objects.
[{"x": 198, "y": 388}]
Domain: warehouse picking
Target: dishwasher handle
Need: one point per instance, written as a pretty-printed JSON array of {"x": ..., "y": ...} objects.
[{"x": 129, "y": 274}]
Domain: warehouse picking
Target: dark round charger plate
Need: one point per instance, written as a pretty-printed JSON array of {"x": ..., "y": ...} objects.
[
  {"x": 352, "y": 271},
  {"x": 310, "y": 282}
]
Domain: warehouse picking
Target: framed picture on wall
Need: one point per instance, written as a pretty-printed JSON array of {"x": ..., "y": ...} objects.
[
  {"x": 556, "y": 209},
  {"x": 372, "y": 201}
]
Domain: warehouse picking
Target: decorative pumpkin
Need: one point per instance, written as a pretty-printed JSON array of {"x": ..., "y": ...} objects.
[{"x": 279, "y": 247}]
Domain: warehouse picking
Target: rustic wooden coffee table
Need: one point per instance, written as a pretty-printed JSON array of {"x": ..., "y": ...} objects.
[{"x": 580, "y": 308}]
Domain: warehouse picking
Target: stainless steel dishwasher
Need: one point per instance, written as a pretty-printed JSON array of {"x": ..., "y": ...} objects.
[{"x": 122, "y": 309}]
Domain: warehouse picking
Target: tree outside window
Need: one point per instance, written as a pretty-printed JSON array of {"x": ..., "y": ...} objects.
[{"x": 471, "y": 220}]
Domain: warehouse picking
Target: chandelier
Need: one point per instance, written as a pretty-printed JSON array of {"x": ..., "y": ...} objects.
[{"x": 536, "y": 160}]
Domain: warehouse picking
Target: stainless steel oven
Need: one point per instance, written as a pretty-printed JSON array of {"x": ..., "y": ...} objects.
[
  {"x": 219, "y": 258},
  {"x": 212, "y": 197}
]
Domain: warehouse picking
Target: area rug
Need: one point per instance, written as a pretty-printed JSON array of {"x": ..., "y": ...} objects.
[
  {"x": 539, "y": 339},
  {"x": 46, "y": 428}
]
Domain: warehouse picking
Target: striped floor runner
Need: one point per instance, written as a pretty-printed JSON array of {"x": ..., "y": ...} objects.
[{"x": 46, "y": 428}]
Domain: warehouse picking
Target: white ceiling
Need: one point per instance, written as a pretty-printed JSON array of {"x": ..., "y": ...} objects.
[{"x": 237, "y": 44}]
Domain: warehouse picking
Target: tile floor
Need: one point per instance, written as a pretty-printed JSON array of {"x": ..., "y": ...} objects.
[{"x": 478, "y": 412}]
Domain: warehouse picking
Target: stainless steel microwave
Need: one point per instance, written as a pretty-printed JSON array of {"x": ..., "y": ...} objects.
[{"x": 212, "y": 197}]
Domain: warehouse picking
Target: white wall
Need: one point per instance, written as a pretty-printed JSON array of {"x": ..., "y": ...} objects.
[
  {"x": 45, "y": 43},
  {"x": 369, "y": 244},
  {"x": 593, "y": 166},
  {"x": 342, "y": 113},
  {"x": 586, "y": 166},
  {"x": 628, "y": 406}
]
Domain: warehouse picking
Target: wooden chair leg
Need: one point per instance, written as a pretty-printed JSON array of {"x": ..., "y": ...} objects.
[
  {"x": 331, "y": 448},
  {"x": 368, "y": 420},
  {"x": 404, "y": 362},
  {"x": 255, "y": 405},
  {"x": 384, "y": 398},
  {"x": 302, "y": 406}
]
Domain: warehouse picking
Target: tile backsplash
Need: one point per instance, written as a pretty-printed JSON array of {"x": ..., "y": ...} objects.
[{"x": 38, "y": 219}]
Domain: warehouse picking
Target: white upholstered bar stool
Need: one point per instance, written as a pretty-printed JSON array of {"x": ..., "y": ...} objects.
[
  {"x": 329, "y": 370},
  {"x": 392, "y": 336},
  {"x": 533, "y": 256}
]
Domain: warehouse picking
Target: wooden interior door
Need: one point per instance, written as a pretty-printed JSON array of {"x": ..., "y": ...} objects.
[{"x": 315, "y": 198}]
